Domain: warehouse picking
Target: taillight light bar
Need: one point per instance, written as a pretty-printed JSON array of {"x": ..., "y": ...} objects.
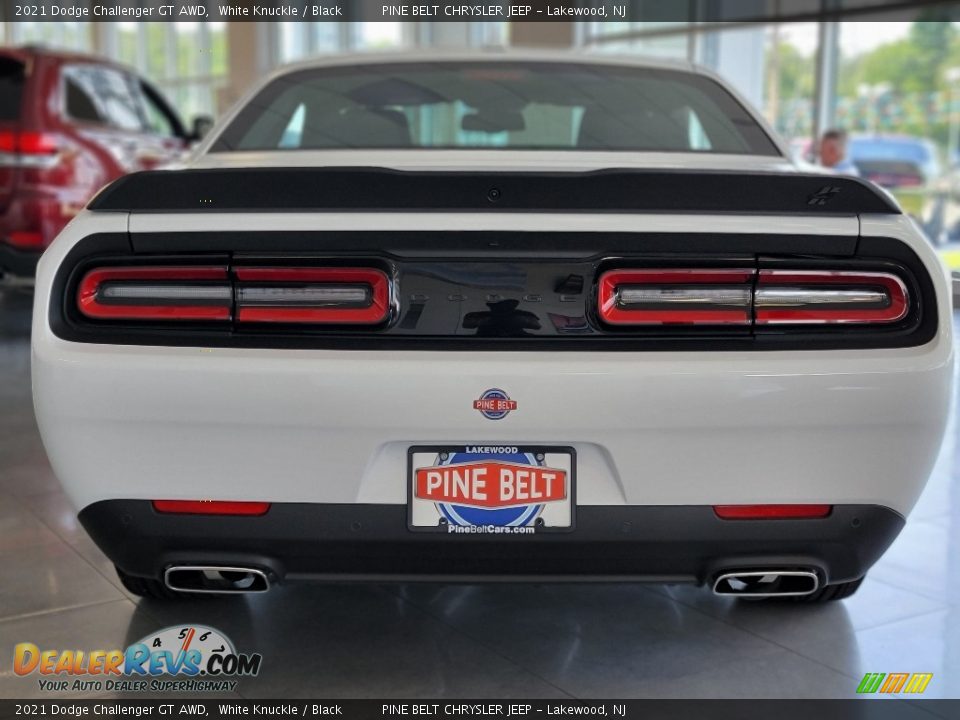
[
  {"x": 156, "y": 293},
  {"x": 643, "y": 297},
  {"x": 28, "y": 148},
  {"x": 348, "y": 296},
  {"x": 675, "y": 297},
  {"x": 798, "y": 297},
  {"x": 324, "y": 296}
]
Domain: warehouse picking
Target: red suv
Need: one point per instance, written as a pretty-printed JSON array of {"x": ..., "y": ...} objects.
[{"x": 70, "y": 124}]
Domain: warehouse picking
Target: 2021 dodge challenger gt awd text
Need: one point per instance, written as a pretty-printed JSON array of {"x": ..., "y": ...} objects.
[{"x": 492, "y": 318}]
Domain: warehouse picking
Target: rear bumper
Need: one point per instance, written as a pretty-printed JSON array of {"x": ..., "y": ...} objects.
[
  {"x": 302, "y": 541},
  {"x": 18, "y": 262},
  {"x": 334, "y": 427}
]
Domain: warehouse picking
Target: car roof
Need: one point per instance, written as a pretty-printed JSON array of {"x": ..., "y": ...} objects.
[
  {"x": 492, "y": 54},
  {"x": 28, "y": 52}
]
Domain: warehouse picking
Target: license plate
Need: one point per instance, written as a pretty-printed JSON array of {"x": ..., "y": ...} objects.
[{"x": 473, "y": 489}]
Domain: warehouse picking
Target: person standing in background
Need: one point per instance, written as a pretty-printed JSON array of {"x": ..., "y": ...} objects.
[{"x": 833, "y": 152}]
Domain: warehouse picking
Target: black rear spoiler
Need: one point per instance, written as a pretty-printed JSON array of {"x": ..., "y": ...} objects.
[{"x": 381, "y": 189}]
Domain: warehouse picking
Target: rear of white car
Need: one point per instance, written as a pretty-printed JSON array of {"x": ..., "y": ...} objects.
[{"x": 651, "y": 366}]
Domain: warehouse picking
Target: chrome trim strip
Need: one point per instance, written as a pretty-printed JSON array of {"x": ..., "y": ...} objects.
[
  {"x": 310, "y": 295},
  {"x": 635, "y": 297},
  {"x": 119, "y": 291},
  {"x": 785, "y": 296}
]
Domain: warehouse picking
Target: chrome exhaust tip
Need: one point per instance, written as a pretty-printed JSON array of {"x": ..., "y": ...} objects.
[
  {"x": 767, "y": 583},
  {"x": 215, "y": 579}
]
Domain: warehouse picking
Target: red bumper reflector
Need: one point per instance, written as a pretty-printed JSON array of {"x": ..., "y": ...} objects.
[
  {"x": 211, "y": 507},
  {"x": 26, "y": 239},
  {"x": 771, "y": 512}
]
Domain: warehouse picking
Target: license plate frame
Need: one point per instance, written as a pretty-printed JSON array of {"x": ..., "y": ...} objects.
[{"x": 533, "y": 449}]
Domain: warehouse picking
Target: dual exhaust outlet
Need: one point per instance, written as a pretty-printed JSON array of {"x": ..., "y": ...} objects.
[
  {"x": 218, "y": 579},
  {"x": 234, "y": 580},
  {"x": 767, "y": 583}
]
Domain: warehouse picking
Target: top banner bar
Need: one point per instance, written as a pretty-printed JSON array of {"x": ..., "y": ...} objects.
[{"x": 655, "y": 11}]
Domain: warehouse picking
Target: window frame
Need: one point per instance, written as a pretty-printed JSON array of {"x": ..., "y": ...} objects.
[
  {"x": 761, "y": 144},
  {"x": 104, "y": 123},
  {"x": 147, "y": 94}
]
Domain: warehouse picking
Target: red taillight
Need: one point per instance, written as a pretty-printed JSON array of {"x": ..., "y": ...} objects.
[
  {"x": 321, "y": 296},
  {"x": 641, "y": 297},
  {"x": 771, "y": 512},
  {"x": 156, "y": 293},
  {"x": 16, "y": 142},
  {"x": 817, "y": 297},
  {"x": 9, "y": 141},
  {"x": 211, "y": 507},
  {"x": 675, "y": 297},
  {"x": 344, "y": 296},
  {"x": 34, "y": 143},
  {"x": 28, "y": 240}
]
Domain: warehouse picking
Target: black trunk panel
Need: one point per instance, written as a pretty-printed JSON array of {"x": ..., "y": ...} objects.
[{"x": 494, "y": 291}]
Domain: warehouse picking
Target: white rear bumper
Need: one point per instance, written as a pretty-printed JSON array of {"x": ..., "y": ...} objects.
[{"x": 649, "y": 428}]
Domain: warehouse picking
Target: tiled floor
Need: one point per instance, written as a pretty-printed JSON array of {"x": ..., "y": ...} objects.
[{"x": 57, "y": 589}]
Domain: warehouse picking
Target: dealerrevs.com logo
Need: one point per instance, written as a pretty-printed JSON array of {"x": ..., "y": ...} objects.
[{"x": 181, "y": 658}]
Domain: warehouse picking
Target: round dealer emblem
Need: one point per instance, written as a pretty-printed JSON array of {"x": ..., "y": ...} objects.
[
  {"x": 494, "y": 404},
  {"x": 514, "y": 516}
]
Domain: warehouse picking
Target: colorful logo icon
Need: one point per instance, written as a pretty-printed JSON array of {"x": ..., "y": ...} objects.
[
  {"x": 202, "y": 655},
  {"x": 894, "y": 683},
  {"x": 495, "y": 404},
  {"x": 506, "y": 489}
]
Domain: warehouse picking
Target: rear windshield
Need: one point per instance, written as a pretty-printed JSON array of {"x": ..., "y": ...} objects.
[
  {"x": 11, "y": 88},
  {"x": 496, "y": 105}
]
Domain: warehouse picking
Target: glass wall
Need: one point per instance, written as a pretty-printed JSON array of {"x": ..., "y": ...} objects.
[
  {"x": 70, "y": 36},
  {"x": 296, "y": 41},
  {"x": 790, "y": 83},
  {"x": 642, "y": 38},
  {"x": 186, "y": 60},
  {"x": 892, "y": 77},
  {"x": 899, "y": 96}
]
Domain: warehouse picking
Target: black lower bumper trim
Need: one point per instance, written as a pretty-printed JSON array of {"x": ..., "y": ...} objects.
[
  {"x": 18, "y": 262},
  {"x": 296, "y": 541}
]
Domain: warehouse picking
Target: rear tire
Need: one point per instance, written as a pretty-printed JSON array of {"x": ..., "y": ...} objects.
[{"x": 153, "y": 588}]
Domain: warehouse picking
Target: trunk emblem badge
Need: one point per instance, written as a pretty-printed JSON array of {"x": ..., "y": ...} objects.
[{"x": 494, "y": 404}]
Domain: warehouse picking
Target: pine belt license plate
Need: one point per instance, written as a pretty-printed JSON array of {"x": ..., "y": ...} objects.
[{"x": 491, "y": 489}]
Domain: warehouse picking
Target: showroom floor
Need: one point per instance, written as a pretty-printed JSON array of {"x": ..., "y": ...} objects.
[{"x": 57, "y": 590}]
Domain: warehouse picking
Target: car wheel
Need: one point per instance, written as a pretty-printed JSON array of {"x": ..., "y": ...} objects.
[{"x": 153, "y": 588}]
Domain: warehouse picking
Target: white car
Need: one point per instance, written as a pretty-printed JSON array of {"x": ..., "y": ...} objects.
[{"x": 492, "y": 317}]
